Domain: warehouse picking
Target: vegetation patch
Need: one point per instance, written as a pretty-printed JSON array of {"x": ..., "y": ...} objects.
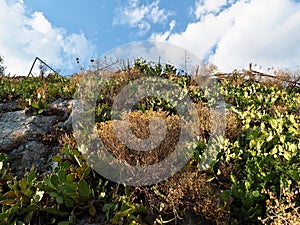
[{"x": 253, "y": 180}]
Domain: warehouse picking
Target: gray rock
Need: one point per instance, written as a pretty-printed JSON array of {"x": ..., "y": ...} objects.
[
  {"x": 16, "y": 128},
  {"x": 66, "y": 107},
  {"x": 28, "y": 139},
  {"x": 8, "y": 107},
  {"x": 30, "y": 154}
]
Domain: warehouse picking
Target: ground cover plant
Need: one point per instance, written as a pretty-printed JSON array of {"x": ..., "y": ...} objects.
[{"x": 254, "y": 179}]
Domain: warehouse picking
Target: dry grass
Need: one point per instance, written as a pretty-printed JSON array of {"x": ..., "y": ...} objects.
[
  {"x": 282, "y": 210},
  {"x": 186, "y": 198},
  {"x": 210, "y": 122},
  {"x": 282, "y": 79},
  {"x": 188, "y": 192},
  {"x": 139, "y": 122}
]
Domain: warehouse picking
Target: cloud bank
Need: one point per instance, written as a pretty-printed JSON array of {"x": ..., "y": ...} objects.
[
  {"x": 141, "y": 16},
  {"x": 25, "y": 36},
  {"x": 231, "y": 34}
]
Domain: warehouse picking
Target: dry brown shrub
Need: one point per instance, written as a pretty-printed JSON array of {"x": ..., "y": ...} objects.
[
  {"x": 131, "y": 74},
  {"x": 204, "y": 116},
  {"x": 186, "y": 198},
  {"x": 139, "y": 125},
  {"x": 236, "y": 78},
  {"x": 233, "y": 126},
  {"x": 283, "y": 210},
  {"x": 76, "y": 78},
  {"x": 67, "y": 138},
  {"x": 282, "y": 78},
  {"x": 281, "y": 108}
]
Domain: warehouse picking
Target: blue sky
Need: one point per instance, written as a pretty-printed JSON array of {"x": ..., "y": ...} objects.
[
  {"x": 104, "y": 22},
  {"x": 228, "y": 33}
]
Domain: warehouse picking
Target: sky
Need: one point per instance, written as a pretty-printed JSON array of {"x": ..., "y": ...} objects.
[{"x": 228, "y": 33}]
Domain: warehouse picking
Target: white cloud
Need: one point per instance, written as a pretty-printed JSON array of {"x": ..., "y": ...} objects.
[
  {"x": 208, "y": 6},
  {"x": 140, "y": 15},
  {"x": 165, "y": 35},
  {"x": 263, "y": 32},
  {"x": 40, "y": 23},
  {"x": 156, "y": 14},
  {"x": 23, "y": 37}
]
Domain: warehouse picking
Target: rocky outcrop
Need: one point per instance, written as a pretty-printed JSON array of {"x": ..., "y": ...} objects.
[{"x": 30, "y": 140}]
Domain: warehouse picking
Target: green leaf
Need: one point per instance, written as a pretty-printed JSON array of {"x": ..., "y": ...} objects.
[
  {"x": 209, "y": 179},
  {"x": 69, "y": 189},
  {"x": 59, "y": 199},
  {"x": 41, "y": 105},
  {"x": 20, "y": 222},
  {"x": 57, "y": 158},
  {"x": 86, "y": 172},
  {"x": 23, "y": 184},
  {"x": 247, "y": 185},
  {"x": 4, "y": 216},
  {"x": 40, "y": 111},
  {"x": 273, "y": 123},
  {"x": 226, "y": 195},
  {"x": 269, "y": 138},
  {"x": 274, "y": 151},
  {"x": 62, "y": 174},
  {"x": 65, "y": 165},
  {"x": 287, "y": 155},
  {"x": 30, "y": 177},
  {"x": 292, "y": 120},
  {"x": 233, "y": 179},
  {"x": 121, "y": 214},
  {"x": 54, "y": 180},
  {"x": 30, "y": 208},
  {"x": 293, "y": 130},
  {"x": 53, "y": 210},
  {"x": 35, "y": 105},
  {"x": 256, "y": 194},
  {"x": 84, "y": 189},
  {"x": 282, "y": 138},
  {"x": 69, "y": 203},
  {"x": 27, "y": 192},
  {"x": 294, "y": 174},
  {"x": 92, "y": 210},
  {"x": 64, "y": 223},
  {"x": 70, "y": 177}
]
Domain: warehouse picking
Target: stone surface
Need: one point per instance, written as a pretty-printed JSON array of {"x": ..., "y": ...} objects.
[
  {"x": 30, "y": 140},
  {"x": 17, "y": 128},
  {"x": 8, "y": 107}
]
